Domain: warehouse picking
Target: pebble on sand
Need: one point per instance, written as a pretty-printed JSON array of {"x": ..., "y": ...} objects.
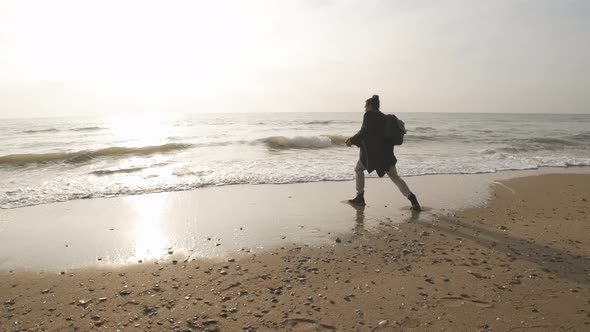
[{"x": 83, "y": 302}]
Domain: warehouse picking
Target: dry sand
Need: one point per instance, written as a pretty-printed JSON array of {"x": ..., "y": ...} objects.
[{"x": 519, "y": 264}]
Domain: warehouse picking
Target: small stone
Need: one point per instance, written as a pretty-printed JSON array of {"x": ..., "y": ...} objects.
[
  {"x": 147, "y": 310},
  {"x": 45, "y": 291},
  {"x": 383, "y": 323},
  {"x": 125, "y": 292},
  {"x": 223, "y": 272},
  {"x": 338, "y": 240},
  {"x": 83, "y": 302},
  {"x": 231, "y": 260},
  {"x": 102, "y": 299}
]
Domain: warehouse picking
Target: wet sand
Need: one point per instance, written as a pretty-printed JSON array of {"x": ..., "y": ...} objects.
[
  {"x": 520, "y": 263},
  {"x": 219, "y": 221}
]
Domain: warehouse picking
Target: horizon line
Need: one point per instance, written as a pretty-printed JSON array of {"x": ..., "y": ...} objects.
[{"x": 271, "y": 112}]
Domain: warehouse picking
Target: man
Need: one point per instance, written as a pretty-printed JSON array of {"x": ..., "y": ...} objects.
[{"x": 376, "y": 154}]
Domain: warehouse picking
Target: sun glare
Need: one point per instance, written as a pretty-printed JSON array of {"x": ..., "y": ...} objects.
[
  {"x": 139, "y": 130},
  {"x": 150, "y": 241}
]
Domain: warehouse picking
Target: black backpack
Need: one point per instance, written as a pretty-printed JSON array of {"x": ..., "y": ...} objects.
[{"x": 395, "y": 129}]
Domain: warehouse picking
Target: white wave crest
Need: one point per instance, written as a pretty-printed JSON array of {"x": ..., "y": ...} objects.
[{"x": 304, "y": 142}]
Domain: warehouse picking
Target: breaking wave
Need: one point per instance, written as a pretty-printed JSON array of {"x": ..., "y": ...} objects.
[
  {"x": 304, "y": 142},
  {"x": 104, "y": 172},
  {"x": 86, "y": 155},
  {"x": 87, "y": 129},
  {"x": 50, "y": 130},
  {"x": 54, "y": 130}
]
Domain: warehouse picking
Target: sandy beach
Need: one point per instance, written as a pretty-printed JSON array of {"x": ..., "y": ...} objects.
[
  {"x": 521, "y": 262},
  {"x": 311, "y": 165}
]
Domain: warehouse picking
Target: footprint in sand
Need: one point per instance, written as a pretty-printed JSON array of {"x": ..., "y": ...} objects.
[{"x": 456, "y": 301}]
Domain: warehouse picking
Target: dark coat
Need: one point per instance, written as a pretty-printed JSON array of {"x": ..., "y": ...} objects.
[{"x": 376, "y": 151}]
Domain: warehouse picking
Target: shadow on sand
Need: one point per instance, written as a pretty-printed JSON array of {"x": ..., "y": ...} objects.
[{"x": 551, "y": 260}]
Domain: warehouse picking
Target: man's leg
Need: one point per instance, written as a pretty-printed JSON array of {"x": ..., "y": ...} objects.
[
  {"x": 399, "y": 182},
  {"x": 359, "y": 171},
  {"x": 403, "y": 187}
]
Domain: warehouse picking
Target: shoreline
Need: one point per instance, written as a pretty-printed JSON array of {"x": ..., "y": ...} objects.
[
  {"x": 540, "y": 169},
  {"x": 221, "y": 221},
  {"x": 521, "y": 262}
]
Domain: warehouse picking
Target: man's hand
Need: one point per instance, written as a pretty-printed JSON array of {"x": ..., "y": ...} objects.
[{"x": 348, "y": 142}]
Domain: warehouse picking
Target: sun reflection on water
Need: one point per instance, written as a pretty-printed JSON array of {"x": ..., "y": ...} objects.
[
  {"x": 139, "y": 130},
  {"x": 150, "y": 241}
]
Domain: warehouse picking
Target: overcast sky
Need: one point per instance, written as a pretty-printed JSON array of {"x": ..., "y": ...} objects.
[{"x": 103, "y": 57}]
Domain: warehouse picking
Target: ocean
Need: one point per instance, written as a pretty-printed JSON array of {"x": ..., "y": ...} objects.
[{"x": 59, "y": 159}]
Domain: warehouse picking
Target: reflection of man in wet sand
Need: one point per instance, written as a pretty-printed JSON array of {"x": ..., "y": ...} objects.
[{"x": 359, "y": 225}]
